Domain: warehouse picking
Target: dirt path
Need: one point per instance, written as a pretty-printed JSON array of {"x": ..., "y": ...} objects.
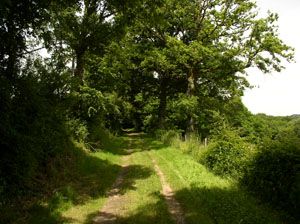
[
  {"x": 110, "y": 211},
  {"x": 173, "y": 205},
  {"x": 117, "y": 202}
]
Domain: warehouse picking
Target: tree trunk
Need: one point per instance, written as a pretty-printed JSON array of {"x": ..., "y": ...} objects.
[
  {"x": 79, "y": 70},
  {"x": 191, "y": 91}
]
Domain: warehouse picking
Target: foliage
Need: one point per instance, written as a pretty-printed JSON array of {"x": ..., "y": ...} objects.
[
  {"x": 34, "y": 132},
  {"x": 108, "y": 65},
  {"x": 87, "y": 103},
  {"x": 228, "y": 155},
  {"x": 77, "y": 129},
  {"x": 181, "y": 108},
  {"x": 269, "y": 169},
  {"x": 274, "y": 173}
]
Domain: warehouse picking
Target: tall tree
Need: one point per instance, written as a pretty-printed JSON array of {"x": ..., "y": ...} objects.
[
  {"x": 88, "y": 26},
  {"x": 220, "y": 39},
  {"x": 210, "y": 43}
]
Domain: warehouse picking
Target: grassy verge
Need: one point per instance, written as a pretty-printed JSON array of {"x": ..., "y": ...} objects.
[
  {"x": 91, "y": 187},
  {"x": 77, "y": 190},
  {"x": 73, "y": 188},
  {"x": 207, "y": 198}
]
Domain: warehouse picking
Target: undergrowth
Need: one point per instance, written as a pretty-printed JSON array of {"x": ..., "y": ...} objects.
[{"x": 75, "y": 177}]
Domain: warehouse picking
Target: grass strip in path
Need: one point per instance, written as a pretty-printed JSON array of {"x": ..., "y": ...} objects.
[
  {"x": 173, "y": 205},
  {"x": 110, "y": 210},
  {"x": 144, "y": 202},
  {"x": 135, "y": 197}
]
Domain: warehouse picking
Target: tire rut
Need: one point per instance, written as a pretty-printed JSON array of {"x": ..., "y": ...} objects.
[
  {"x": 116, "y": 201},
  {"x": 173, "y": 205},
  {"x": 110, "y": 211}
]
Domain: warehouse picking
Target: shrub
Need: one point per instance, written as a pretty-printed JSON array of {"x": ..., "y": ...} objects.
[
  {"x": 228, "y": 156},
  {"x": 99, "y": 136},
  {"x": 77, "y": 129},
  {"x": 86, "y": 103},
  {"x": 274, "y": 176}
]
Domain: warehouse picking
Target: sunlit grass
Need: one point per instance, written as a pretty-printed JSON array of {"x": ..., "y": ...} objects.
[
  {"x": 82, "y": 212},
  {"x": 79, "y": 188},
  {"x": 204, "y": 197},
  {"x": 207, "y": 198},
  {"x": 141, "y": 201},
  {"x": 144, "y": 202}
]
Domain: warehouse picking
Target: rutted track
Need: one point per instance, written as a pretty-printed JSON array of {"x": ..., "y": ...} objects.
[
  {"x": 118, "y": 203},
  {"x": 173, "y": 205},
  {"x": 110, "y": 211}
]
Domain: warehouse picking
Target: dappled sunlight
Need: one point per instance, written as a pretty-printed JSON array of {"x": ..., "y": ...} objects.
[
  {"x": 147, "y": 213},
  {"x": 84, "y": 183},
  {"x": 81, "y": 212},
  {"x": 126, "y": 145},
  {"x": 129, "y": 175},
  {"x": 83, "y": 186},
  {"x": 100, "y": 187},
  {"x": 105, "y": 103},
  {"x": 135, "y": 142},
  {"x": 133, "y": 173}
]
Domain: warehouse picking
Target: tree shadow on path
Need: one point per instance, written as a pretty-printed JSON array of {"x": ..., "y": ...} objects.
[
  {"x": 85, "y": 178},
  {"x": 147, "y": 214},
  {"x": 133, "y": 142}
]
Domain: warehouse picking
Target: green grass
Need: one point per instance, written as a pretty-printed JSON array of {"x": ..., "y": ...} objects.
[
  {"x": 207, "y": 198},
  {"x": 78, "y": 191},
  {"x": 94, "y": 176},
  {"x": 79, "y": 197},
  {"x": 75, "y": 189},
  {"x": 91, "y": 188},
  {"x": 143, "y": 202}
]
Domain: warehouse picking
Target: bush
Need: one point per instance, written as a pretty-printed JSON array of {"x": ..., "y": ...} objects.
[
  {"x": 274, "y": 176},
  {"x": 77, "y": 129},
  {"x": 228, "y": 156},
  {"x": 99, "y": 136},
  {"x": 86, "y": 103}
]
